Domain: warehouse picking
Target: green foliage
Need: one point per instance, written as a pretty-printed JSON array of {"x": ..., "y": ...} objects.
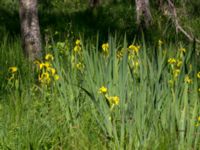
[
  {"x": 156, "y": 110},
  {"x": 112, "y": 15},
  {"x": 194, "y": 7},
  {"x": 155, "y": 80}
]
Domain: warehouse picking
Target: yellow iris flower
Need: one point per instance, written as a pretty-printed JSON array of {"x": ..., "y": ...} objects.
[
  {"x": 13, "y": 69},
  {"x": 113, "y": 100},
  {"x": 78, "y": 42},
  {"x": 198, "y": 75},
  {"x": 56, "y": 77},
  {"x": 188, "y": 79},
  {"x": 49, "y": 57},
  {"x": 103, "y": 90},
  {"x": 105, "y": 48},
  {"x": 134, "y": 48},
  {"x": 171, "y": 60}
]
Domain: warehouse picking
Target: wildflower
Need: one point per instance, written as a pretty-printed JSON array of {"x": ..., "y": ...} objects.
[
  {"x": 49, "y": 57},
  {"x": 79, "y": 66},
  {"x": 51, "y": 70},
  {"x": 134, "y": 48},
  {"x": 12, "y": 69},
  {"x": 45, "y": 75},
  {"x": 198, "y": 118},
  {"x": 77, "y": 49},
  {"x": 44, "y": 78},
  {"x": 103, "y": 90},
  {"x": 78, "y": 42},
  {"x": 41, "y": 65},
  {"x": 183, "y": 50},
  {"x": 171, "y": 60},
  {"x": 176, "y": 72},
  {"x": 47, "y": 64},
  {"x": 44, "y": 65},
  {"x": 105, "y": 48},
  {"x": 119, "y": 54},
  {"x": 198, "y": 122},
  {"x": 113, "y": 100},
  {"x": 188, "y": 80},
  {"x": 179, "y": 63},
  {"x": 136, "y": 63},
  {"x": 198, "y": 75},
  {"x": 160, "y": 42},
  {"x": 56, "y": 77},
  {"x": 131, "y": 56}
]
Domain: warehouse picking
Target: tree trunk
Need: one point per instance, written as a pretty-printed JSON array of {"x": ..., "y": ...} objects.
[
  {"x": 143, "y": 12},
  {"x": 30, "y": 30},
  {"x": 94, "y": 3}
]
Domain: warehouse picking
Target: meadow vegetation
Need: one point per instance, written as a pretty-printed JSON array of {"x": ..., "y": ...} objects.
[{"x": 100, "y": 90}]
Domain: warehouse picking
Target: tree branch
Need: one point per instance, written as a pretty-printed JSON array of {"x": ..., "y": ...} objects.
[{"x": 173, "y": 13}]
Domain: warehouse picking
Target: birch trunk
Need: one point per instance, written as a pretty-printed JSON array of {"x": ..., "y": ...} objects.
[
  {"x": 30, "y": 30},
  {"x": 143, "y": 12}
]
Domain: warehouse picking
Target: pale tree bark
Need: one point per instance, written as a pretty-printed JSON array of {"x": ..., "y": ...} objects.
[
  {"x": 30, "y": 30},
  {"x": 94, "y": 3},
  {"x": 143, "y": 12},
  {"x": 169, "y": 11}
]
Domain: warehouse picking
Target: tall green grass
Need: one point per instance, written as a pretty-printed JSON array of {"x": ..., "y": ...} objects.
[{"x": 71, "y": 114}]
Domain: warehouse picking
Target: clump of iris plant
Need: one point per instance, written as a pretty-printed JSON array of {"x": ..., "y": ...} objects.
[
  {"x": 112, "y": 101},
  {"x": 46, "y": 71}
]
